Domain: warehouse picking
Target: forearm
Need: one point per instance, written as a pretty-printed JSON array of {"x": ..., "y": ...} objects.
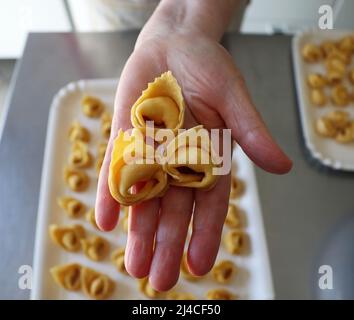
[{"x": 200, "y": 17}]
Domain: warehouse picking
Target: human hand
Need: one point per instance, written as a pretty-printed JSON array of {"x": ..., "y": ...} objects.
[{"x": 216, "y": 97}]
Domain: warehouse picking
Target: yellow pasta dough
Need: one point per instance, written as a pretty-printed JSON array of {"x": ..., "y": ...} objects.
[
  {"x": 162, "y": 102},
  {"x": 340, "y": 95},
  {"x": 106, "y": 123},
  {"x": 234, "y": 241},
  {"x": 174, "y": 295},
  {"x": 125, "y": 219},
  {"x": 317, "y": 97},
  {"x": 67, "y": 276},
  {"x": 92, "y": 106},
  {"x": 75, "y": 179},
  {"x": 117, "y": 258},
  {"x": 220, "y": 294},
  {"x": 190, "y": 163},
  {"x": 80, "y": 156},
  {"x": 223, "y": 271},
  {"x": 90, "y": 217},
  {"x": 96, "y": 285},
  {"x": 237, "y": 188},
  {"x": 78, "y": 133},
  {"x": 72, "y": 207},
  {"x": 147, "y": 290},
  {"x": 233, "y": 216},
  {"x": 96, "y": 248},
  {"x": 125, "y": 173},
  {"x": 67, "y": 237},
  {"x": 316, "y": 80}
]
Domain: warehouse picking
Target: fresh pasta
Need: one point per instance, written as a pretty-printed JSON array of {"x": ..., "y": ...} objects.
[
  {"x": 106, "y": 124},
  {"x": 90, "y": 217},
  {"x": 117, "y": 258},
  {"x": 162, "y": 102},
  {"x": 67, "y": 237},
  {"x": 174, "y": 295},
  {"x": 233, "y": 216},
  {"x": 96, "y": 285},
  {"x": 75, "y": 179},
  {"x": 78, "y": 133},
  {"x": 91, "y": 106},
  {"x": 126, "y": 173},
  {"x": 237, "y": 188},
  {"x": 80, "y": 156},
  {"x": 147, "y": 290},
  {"x": 95, "y": 248},
  {"x": 192, "y": 164},
  {"x": 234, "y": 241},
  {"x": 220, "y": 294},
  {"x": 72, "y": 207},
  {"x": 67, "y": 276},
  {"x": 223, "y": 271}
]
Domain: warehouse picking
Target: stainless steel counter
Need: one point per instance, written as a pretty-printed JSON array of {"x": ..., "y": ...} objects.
[{"x": 304, "y": 211}]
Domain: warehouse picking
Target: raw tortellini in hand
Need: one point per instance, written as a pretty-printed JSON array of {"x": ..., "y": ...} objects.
[
  {"x": 136, "y": 174},
  {"x": 162, "y": 102},
  {"x": 67, "y": 237},
  {"x": 125, "y": 174}
]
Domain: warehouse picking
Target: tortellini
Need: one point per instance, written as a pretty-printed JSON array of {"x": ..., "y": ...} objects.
[
  {"x": 162, "y": 102},
  {"x": 101, "y": 150},
  {"x": 237, "y": 188},
  {"x": 72, "y": 207},
  {"x": 220, "y": 294},
  {"x": 80, "y": 156},
  {"x": 233, "y": 216},
  {"x": 106, "y": 123},
  {"x": 318, "y": 97},
  {"x": 338, "y": 125},
  {"x": 340, "y": 95},
  {"x": 96, "y": 285},
  {"x": 234, "y": 241},
  {"x": 126, "y": 173},
  {"x": 68, "y": 276},
  {"x": 174, "y": 295},
  {"x": 223, "y": 271},
  {"x": 67, "y": 237},
  {"x": 92, "y": 106},
  {"x": 75, "y": 179},
  {"x": 312, "y": 53},
  {"x": 185, "y": 270},
  {"x": 117, "y": 258},
  {"x": 351, "y": 76},
  {"x": 95, "y": 248},
  {"x": 78, "y": 133},
  {"x": 147, "y": 290},
  {"x": 190, "y": 165},
  {"x": 316, "y": 80},
  {"x": 90, "y": 217}
]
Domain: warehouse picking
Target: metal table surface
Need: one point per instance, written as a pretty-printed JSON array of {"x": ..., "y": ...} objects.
[{"x": 304, "y": 211}]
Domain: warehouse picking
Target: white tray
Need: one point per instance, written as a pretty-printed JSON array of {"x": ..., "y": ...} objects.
[
  {"x": 254, "y": 279},
  {"x": 327, "y": 151}
]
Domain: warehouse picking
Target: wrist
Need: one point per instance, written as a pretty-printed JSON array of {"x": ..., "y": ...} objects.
[{"x": 207, "y": 18}]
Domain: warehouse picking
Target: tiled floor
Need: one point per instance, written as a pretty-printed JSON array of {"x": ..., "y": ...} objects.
[{"x": 6, "y": 70}]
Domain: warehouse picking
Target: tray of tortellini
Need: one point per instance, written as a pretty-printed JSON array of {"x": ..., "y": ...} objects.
[
  {"x": 73, "y": 259},
  {"x": 324, "y": 74}
]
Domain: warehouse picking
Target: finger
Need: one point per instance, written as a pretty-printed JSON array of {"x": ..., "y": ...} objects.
[
  {"x": 176, "y": 211},
  {"x": 136, "y": 74},
  {"x": 106, "y": 208},
  {"x": 248, "y": 128},
  {"x": 208, "y": 220},
  {"x": 142, "y": 225}
]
